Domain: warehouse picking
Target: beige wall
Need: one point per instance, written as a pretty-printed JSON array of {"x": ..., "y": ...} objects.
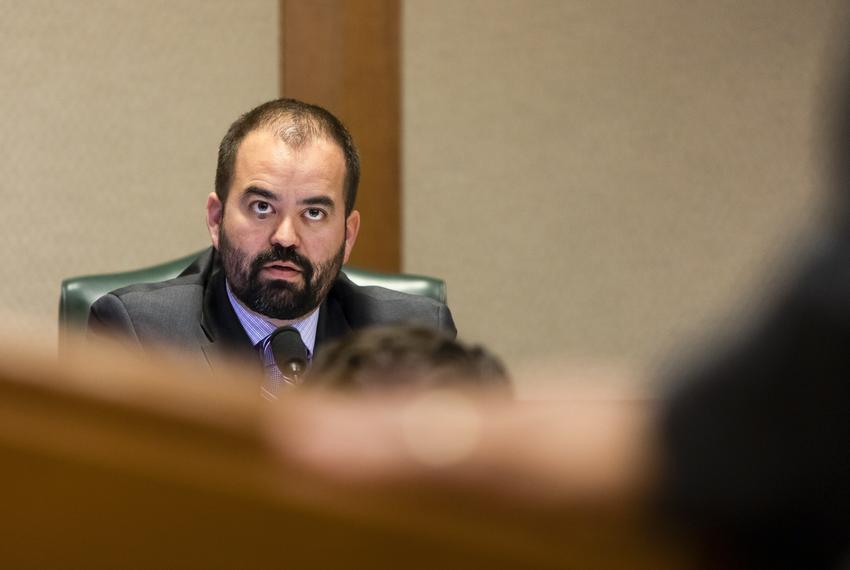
[
  {"x": 593, "y": 178},
  {"x": 112, "y": 113},
  {"x": 604, "y": 178}
]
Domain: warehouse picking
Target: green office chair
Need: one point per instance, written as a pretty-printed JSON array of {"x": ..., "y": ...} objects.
[{"x": 78, "y": 293}]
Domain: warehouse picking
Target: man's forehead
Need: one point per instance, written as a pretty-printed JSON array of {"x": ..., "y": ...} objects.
[
  {"x": 264, "y": 153},
  {"x": 267, "y": 140}
]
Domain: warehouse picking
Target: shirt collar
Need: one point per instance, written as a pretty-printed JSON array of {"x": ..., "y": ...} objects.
[{"x": 258, "y": 327}]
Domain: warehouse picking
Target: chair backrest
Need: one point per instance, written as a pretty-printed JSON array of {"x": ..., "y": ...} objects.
[{"x": 78, "y": 293}]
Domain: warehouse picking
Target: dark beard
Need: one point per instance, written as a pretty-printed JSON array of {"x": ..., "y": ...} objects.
[{"x": 278, "y": 299}]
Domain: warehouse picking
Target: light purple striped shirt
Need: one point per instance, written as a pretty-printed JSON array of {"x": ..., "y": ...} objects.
[{"x": 258, "y": 329}]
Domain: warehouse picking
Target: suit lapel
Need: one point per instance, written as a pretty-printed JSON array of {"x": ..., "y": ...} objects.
[
  {"x": 332, "y": 320},
  {"x": 221, "y": 336}
]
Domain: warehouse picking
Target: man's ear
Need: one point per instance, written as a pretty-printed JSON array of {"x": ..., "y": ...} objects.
[
  {"x": 215, "y": 215},
  {"x": 352, "y": 226}
]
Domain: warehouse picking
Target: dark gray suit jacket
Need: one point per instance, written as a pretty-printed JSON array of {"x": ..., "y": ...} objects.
[{"x": 193, "y": 312}]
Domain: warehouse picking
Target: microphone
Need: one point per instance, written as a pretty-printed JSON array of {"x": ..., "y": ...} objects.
[{"x": 289, "y": 352}]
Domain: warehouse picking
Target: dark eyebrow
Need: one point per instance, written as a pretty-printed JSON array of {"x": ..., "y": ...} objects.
[
  {"x": 318, "y": 201},
  {"x": 261, "y": 192}
]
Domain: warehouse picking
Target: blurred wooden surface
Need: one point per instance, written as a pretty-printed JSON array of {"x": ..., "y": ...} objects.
[{"x": 110, "y": 462}]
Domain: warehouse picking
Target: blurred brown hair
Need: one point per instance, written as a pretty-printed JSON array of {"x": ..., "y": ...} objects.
[{"x": 406, "y": 357}]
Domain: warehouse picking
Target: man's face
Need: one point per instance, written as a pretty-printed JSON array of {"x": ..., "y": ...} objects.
[{"x": 283, "y": 234}]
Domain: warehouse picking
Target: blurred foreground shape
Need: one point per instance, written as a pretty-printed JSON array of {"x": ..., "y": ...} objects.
[{"x": 113, "y": 462}]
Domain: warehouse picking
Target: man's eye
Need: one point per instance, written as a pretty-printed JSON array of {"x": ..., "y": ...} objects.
[
  {"x": 261, "y": 208},
  {"x": 314, "y": 213}
]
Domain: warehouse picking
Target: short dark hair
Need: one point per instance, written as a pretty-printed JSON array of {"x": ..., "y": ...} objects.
[
  {"x": 405, "y": 356},
  {"x": 297, "y": 123}
]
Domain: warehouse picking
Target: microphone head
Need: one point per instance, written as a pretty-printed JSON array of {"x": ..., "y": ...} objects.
[{"x": 289, "y": 351}]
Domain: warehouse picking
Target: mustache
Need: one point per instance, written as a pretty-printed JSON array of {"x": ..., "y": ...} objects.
[{"x": 282, "y": 254}]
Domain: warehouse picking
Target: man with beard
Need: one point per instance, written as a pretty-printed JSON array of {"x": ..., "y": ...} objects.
[{"x": 282, "y": 223}]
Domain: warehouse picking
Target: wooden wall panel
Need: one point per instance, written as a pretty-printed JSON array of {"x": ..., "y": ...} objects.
[{"x": 344, "y": 55}]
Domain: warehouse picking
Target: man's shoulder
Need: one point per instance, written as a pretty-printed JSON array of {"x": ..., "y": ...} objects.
[
  {"x": 177, "y": 290},
  {"x": 372, "y": 305},
  {"x": 166, "y": 310}
]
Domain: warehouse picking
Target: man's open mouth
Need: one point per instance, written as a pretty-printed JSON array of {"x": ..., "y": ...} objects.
[{"x": 283, "y": 267}]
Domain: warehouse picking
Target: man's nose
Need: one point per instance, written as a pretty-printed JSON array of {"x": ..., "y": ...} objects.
[{"x": 286, "y": 233}]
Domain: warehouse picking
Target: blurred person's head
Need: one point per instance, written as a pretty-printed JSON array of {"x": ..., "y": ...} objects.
[
  {"x": 406, "y": 358},
  {"x": 282, "y": 215}
]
